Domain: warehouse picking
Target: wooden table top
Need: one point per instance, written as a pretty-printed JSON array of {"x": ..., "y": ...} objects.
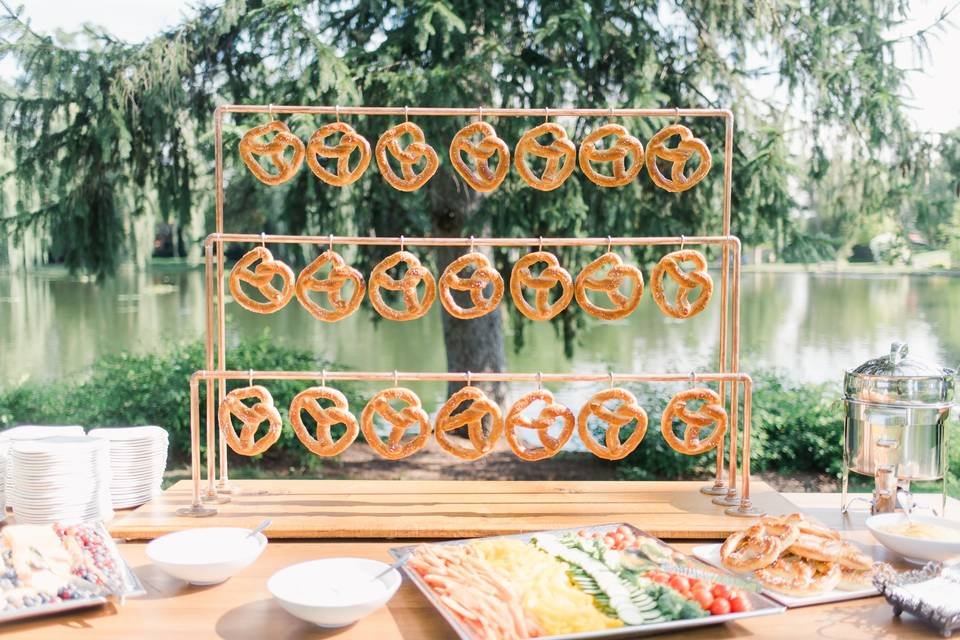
[
  {"x": 242, "y": 608},
  {"x": 448, "y": 509}
]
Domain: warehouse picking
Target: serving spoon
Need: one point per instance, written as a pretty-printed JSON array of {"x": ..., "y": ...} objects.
[{"x": 260, "y": 527}]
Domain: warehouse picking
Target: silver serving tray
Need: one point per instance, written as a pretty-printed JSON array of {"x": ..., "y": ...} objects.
[
  {"x": 895, "y": 587},
  {"x": 131, "y": 587},
  {"x": 762, "y": 606}
]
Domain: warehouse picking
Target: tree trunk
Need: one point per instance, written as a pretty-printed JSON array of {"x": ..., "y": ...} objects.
[{"x": 477, "y": 344}]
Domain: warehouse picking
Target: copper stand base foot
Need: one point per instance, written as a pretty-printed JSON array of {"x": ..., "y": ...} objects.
[
  {"x": 727, "y": 500},
  {"x": 214, "y": 498},
  {"x": 715, "y": 489},
  {"x": 196, "y": 511},
  {"x": 745, "y": 510},
  {"x": 226, "y": 488},
  {"x": 234, "y": 490}
]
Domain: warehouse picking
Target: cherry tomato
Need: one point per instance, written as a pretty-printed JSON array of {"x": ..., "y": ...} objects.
[
  {"x": 719, "y": 607},
  {"x": 680, "y": 583},
  {"x": 721, "y": 591},
  {"x": 624, "y": 529},
  {"x": 660, "y": 578},
  {"x": 596, "y": 534},
  {"x": 703, "y": 597},
  {"x": 581, "y": 533},
  {"x": 739, "y": 603}
]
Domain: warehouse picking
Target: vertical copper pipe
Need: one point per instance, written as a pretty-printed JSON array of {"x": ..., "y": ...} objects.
[
  {"x": 221, "y": 307},
  {"x": 745, "y": 505},
  {"x": 195, "y": 439},
  {"x": 211, "y": 430}
]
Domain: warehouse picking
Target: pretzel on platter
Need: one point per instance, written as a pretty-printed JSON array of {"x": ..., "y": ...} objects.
[
  {"x": 546, "y": 418},
  {"x": 483, "y": 275},
  {"x": 350, "y": 141},
  {"x": 414, "y": 306},
  {"x": 855, "y": 580},
  {"x": 246, "y": 443},
  {"x": 332, "y": 286},
  {"x": 400, "y": 422},
  {"x": 752, "y": 548},
  {"x": 812, "y": 528},
  {"x": 481, "y": 178},
  {"x": 261, "y": 278},
  {"x": 626, "y": 412},
  {"x": 710, "y": 412},
  {"x": 552, "y": 275},
  {"x": 616, "y": 154},
  {"x": 251, "y": 146},
  {"x": 407, "y": 156},
  {"x": 687, "y": 281},
  {"x": 610, "y": 283},
  {"x": 679, "y": 155},
  {"x": 325, "y": 417},
  {"x": 560, "y": 155},
  {"x": 799, "y": 577},
  {"x": 472, "y": 418}
]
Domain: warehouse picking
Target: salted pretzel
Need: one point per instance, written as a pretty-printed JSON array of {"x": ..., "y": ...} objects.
[
  {"x": 261, "y": 278},
  {"x": 251, "y": 146},
  {"x": 687, "y": 281},
  {"x": 482, "y": 178},
  {"x": 350, "y": 141},
  {"x": 711, "y": 412},
  {"x": 616, "y": 154},
  {"x": 483, "y": 275},
  {"x": 812, "y": 528},
  {"x": 786, "y": 531},
  {"x": 471, "y": 418},
  {"x": 750, "y": 549},
  {"x": 407, "y": 156},
  {"x": 246, "y": 443},
  {"x": 400, "y": 422},
  {"x": 627, "y": 411},
  {"x": 610, "y": 283},
  {"x": 552, "y": 275},
  {"x": 332, "y": 286},
  {"x": 679, "y": 156},
  {"x": 414, "y": 306},
  {"x": 855, "y": 580},
  {"x": 548, "y": 416},
  {"x": 799, "y": 577},
  {"x": 325, "y": 417},
  {"x": 560, "y": 155}
]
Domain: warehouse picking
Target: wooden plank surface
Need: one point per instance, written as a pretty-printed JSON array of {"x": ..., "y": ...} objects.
[
  {"x": 448, "y": 509},
  {"x": 242, "y": 609}
]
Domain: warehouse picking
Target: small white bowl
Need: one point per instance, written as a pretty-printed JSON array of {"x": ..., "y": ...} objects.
[
  {"x": 207, "y": 555},
  {"x": 916, "y": 550},
  {"x": 333, "y": 592}
]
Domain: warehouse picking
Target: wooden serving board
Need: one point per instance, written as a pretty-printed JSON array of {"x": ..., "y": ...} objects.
[{"x": 448, "y": 509}]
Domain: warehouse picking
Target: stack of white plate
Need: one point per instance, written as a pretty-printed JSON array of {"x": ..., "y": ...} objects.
[
  {"x": 31, "y": 432},
  {"x": 138, "y": 458},
  {"x": 60, "y": 479}
]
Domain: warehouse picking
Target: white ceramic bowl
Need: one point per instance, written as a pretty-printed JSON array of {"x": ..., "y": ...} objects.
[
  {"x": 207, "y": 555},
  {"x": 333, "y": 592},
  {"x": 917, "y": 550}
]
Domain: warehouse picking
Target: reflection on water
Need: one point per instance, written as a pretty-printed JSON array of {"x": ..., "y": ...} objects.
[{"x": 810, "y": 326}]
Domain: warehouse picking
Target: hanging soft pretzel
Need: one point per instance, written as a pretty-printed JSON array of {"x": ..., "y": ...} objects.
[
  {"x": 481, "y": 178},
  {"x": 610, "y": 283},
  {"x": 262, "y": 279},
  {"x": 799, "y": 577},
  {"x": 350, "y": 141},
  {"x": 751, "y": 548},
  {"x": 687, "y": 281},
  {"x": 560, "y": 155},
  {"x": 548, "y": 417},
  {"x": 332, "y": 286},
  {"x": 711, "y": 412},
  {"x": 483, "y": 276},
  {"x": 679, "y": 156},
  {"x": 400, "y": 421},
  {"x": 414, "y": 306},
  {"x": 616, "y": 419},
  {"x": 616, "y": 154},
  {"x": 472, "y": 418},
  {"x": 325, "y": 417},
  {"x": 407, "y": 156},
  {"x": 552, "y": 275},
  {"x": 250, "y": 147},
  {"x": 252, "y": 416}
]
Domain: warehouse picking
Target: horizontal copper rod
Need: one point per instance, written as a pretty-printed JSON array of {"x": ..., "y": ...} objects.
[
  {"x": 466, "y": 242},
  {"x": 389, "y": 376},
  {"x": 478, "y": 111}
]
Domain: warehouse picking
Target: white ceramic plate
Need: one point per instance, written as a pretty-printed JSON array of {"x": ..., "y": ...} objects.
[{"x": 710, "y": 553}]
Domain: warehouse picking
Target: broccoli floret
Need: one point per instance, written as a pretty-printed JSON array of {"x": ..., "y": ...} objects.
[
  {"x": 691, "y": 609},
  {"x": 670, "y": 603}
]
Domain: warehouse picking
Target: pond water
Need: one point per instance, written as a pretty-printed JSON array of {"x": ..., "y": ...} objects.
[{"x": 810, "y": 326}]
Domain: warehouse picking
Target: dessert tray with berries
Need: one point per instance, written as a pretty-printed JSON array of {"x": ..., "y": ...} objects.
[{"x": 46, "y": 569}]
